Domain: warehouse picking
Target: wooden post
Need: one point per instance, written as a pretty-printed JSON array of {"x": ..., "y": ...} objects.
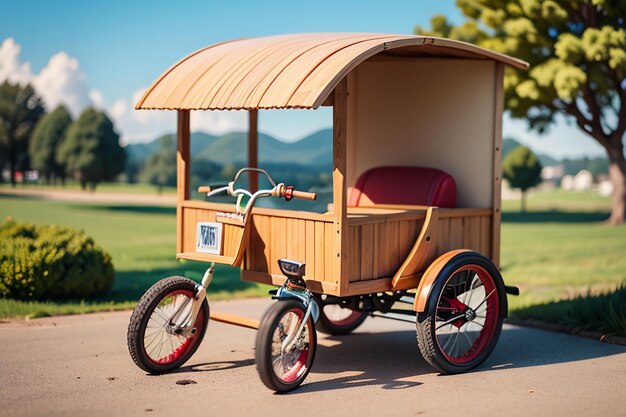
[
  {"x": 497, "y": 163},
  {"x": 182, "y": 173},
  {"x": 340, "y": 129},
  {"x": 253, "y": 148}
]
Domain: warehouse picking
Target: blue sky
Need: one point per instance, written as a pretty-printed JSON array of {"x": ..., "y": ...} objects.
[{"x": 118, "y": 48}]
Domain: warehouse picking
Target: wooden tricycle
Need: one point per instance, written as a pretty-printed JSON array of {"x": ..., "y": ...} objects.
[{"x": 413, "y": 231}]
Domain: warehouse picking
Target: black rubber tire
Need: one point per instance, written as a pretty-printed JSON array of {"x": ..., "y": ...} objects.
[
  {"x": 326, "y": 326},
  {"x": 141, "y": 315},
  {"x": 426, "y": 337},
  {"x": 263, "y": 346}
]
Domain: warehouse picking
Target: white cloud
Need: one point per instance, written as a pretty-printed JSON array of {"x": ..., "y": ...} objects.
[
  {"x": 63, "y": 81},
  {"x": 97, "y": 99},
  {"x": 10, "y": 66},
  {"x": 60, "y": 81}
]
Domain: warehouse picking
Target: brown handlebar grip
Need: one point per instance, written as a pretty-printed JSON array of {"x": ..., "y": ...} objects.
[
  {"x": 204, "y": 189},
  {"x": 304, "y": 195}
]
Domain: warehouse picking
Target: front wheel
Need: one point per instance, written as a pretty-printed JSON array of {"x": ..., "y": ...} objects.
[
  {"x": 155, "y": 339},
  {"x": 463, "y": 318},
  {"x": 284, "y": 368}
]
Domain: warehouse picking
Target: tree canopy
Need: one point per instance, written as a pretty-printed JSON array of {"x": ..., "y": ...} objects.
[
  {"x": 47, "y": 136},
  {"x": 160, "y": 168},
  {"x": 577, "y": 55},
  {"x": 522, "y": 169},
  {"x": 20, "y": 109},
  {"x": 91, "y": 149}
]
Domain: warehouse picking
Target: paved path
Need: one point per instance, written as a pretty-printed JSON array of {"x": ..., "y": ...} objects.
[
  {"x": 166, "y": 200},
  {"x": 79, "y": 365}
]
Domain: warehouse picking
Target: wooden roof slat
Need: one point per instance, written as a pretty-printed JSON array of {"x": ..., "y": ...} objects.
[
  {"x": 289, "y": 80},
  {"x": 287, "y": 71},
  {"x": 257, "y": 87},
  {"x": 246, "y": 67}
]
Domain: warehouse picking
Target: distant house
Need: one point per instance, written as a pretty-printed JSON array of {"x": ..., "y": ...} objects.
[
  {"x": 567, "y": 182},
  {"x": 551, "y": 176},
  {"x": 583, "y": 180},
  {"x": 605, "y": 187}
]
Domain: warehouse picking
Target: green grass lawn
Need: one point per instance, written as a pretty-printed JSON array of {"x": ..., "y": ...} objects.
[
  {"x": 141, "y": 241},
  {"x": 558, "y": 250}
]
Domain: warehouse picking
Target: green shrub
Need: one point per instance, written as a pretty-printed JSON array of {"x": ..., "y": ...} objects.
[{"x": 51, "y": 262}]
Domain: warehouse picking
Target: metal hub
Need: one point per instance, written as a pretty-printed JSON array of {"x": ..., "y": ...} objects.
[{"x": 470, "y": 314}]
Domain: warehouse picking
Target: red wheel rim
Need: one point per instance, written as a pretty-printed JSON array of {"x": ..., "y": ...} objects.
[
  {"x": 466, "y": 321},
  {"x": 289, "y": 366},
  {"x": 162, "y": 346},
  {"x": 350, "y": 315}
]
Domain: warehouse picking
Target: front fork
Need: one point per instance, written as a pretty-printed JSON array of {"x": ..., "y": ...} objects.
[
  {"x": 188, "y": 329},
  {"x": 305, "y": 296}
]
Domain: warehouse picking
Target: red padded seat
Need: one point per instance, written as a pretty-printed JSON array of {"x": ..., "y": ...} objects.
[{"x": 404, "y": 185}]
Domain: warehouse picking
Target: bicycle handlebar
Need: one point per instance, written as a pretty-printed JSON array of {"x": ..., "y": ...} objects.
[
  {"x": 289, "y": 192},
  {"x": 278, "y": 190}
]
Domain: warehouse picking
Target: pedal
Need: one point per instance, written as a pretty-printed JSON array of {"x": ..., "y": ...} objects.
[{"x": 511, "y": 289}]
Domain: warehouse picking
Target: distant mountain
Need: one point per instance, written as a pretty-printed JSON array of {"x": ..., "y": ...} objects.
[
  {"x": 313, "y": 150},
  {"x": 509, "y": 144},
  {"x": 139, "y": 152}
]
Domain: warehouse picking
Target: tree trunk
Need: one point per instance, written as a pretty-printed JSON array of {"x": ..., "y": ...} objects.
[
  {"x": 617, "y": 175},
  {"x": 12, "y": 163},
  {"x": 523, "y": 201}
]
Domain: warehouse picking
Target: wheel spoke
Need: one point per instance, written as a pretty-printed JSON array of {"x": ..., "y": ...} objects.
[
  {"x": 485, "y": 299},
  {"x": 468, "y": 340},
  {"x": 449, "y": 321}
]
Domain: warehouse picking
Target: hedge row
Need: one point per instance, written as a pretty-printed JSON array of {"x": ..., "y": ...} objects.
[{"x": 51, "y": 262}]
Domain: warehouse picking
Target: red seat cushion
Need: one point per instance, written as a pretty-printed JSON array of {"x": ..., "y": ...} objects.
[{"x": 404, "y": 185}]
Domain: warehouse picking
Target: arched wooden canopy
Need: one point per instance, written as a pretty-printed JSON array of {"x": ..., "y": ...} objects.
[{"x": 287, "y": 71}]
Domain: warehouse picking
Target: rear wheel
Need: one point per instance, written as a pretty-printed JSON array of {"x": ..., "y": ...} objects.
[
  {"x": 284, "y": 368},
  {"x": 463, "y": 318},
  {"x": 155, "y": 339},
  {"x": 337, "y": 320}
]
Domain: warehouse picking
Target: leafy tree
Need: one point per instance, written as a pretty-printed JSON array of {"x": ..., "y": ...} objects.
[
  {"x": 577, "y": 53},
  {"x": 47, "y": 136},
  {"x": 91, "y": 149},
  {"x": 160, "y": 168},
  {"x": 522, "y": 170},
  {"x": 20, "y": 109}
]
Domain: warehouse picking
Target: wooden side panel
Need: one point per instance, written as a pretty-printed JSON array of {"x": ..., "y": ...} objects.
[
  {"x": 299, "y": 239},
  {"x": 469, "y": 232},
  {"x": 231, "y": 234},
  {"x": 377, "y": 249},
  {"x": 394, "y": 239}
]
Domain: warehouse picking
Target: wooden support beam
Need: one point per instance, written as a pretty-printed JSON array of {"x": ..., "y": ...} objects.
[
  {"x": 423, "y": 250},
  {"x": 235, "y": 320},
  {"x": 253, "y": 148},
  {"x": 498, "y": 103},
  {"x": 340, "y": 129},
  {"x": 182, "y": 173}
]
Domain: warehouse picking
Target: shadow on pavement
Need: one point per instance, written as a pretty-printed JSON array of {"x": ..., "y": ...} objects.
[
  {"x": 388, "y": 359},
  {"x": 214, "y": 366}
]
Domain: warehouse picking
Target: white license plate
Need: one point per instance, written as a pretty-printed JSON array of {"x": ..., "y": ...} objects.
[{"x": 209, "y": 238}]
